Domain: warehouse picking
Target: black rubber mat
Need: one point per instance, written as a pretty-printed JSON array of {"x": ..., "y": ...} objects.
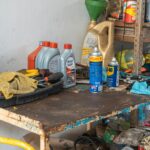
[{"x": 39, "y": 94}]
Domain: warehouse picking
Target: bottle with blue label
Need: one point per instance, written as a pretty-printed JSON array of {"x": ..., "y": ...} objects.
[
  {"x": 113, "y": 74},
  {"x": 95, "y": 72}
]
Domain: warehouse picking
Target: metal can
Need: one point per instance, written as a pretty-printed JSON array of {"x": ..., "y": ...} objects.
[
  {"x": 130, "y": 7},
  {"x": 95, "y": 72},
  {"x": 113, "y": 74}
]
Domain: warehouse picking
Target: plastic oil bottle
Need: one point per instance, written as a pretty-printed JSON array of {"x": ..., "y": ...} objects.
[
  {"x": 51, "y": 58},
  {"x": 39, "y": 58},
  {"x": 68, "y": 66},
  {"x": 33, "y": 55},
  {"x": 101, "y": 36},
  {"x": 95, "y": 73}
]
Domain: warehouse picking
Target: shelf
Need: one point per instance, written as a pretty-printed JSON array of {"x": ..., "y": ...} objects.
[
  {"x": 124, "y": 38},
  {"x": 128, "y": 25},
  {"x": 147, "y": 40},
  {"x": 129, "y": 39},
  {"x": 147, "y": 24},
  {"x": 122, "y": 24}
]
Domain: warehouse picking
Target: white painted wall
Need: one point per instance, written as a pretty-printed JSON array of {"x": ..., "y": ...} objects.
[{"x": 25, "y": 22}]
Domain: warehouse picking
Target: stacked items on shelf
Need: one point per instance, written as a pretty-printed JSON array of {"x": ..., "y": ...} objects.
[
  {"x": 131, "y": 25},
  {"x": 124, "y": 13}
]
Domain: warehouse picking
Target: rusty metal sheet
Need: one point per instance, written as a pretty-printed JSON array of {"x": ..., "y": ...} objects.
[{"x": 61, "y": 110}]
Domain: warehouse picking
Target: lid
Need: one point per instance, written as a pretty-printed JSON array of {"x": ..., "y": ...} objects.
[
  {"x": 114, "y": 59},
  {"x": 95, "y": 49},
  {"x": 67, "y": 46},
  {"x": 45, "y": 43},
  {"x": 53, "y": 45}
]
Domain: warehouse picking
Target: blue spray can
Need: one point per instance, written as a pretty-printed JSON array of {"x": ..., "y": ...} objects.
[
  {"x": 95, "y": 73},
  {"x": 113, "y": 74}
]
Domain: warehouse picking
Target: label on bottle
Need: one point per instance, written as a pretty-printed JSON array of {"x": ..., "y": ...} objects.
[
  {"x": 54, "y": 65},
  {"x": 89, "y": 43},
  {"x": 96, "y": 84},
  {"x": 70, "y": 71},
  {"x": 96, "y": 59},
  {"x": 113, "y": 76}
]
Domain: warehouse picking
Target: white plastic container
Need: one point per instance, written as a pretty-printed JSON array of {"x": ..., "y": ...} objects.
[
  {"x": 51, "y": 59},
  {"x": 39, "y": 58},
  {"x": 68, "y": 66}
]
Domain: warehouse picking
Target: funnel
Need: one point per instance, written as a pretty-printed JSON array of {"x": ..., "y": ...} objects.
[{"x": 95, "y": 8}]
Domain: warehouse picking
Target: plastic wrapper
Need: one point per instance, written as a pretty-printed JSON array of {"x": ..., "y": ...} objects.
[
  {"x": 130, "y": 137},
  {"x": 116, "y": 9}
]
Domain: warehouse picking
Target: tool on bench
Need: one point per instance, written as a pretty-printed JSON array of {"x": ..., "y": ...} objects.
[
  {"x": 131, "y": 78},
  {"x": 51, "y": 79}
]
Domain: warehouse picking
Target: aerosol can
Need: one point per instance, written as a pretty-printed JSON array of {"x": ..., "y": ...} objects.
[
  {"x": 113, "y": 74},
  {"x": 96, "y": 67}
]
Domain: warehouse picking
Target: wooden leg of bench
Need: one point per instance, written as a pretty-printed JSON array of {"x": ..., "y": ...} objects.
[
  {"x": 134, "y": 117},
  {"x": 44, "y": 142}
]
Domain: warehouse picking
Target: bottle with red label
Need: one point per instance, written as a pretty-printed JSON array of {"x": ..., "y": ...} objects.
[
  {"x": 129, "y": 15},
  {"x": 68, "y": 66}
]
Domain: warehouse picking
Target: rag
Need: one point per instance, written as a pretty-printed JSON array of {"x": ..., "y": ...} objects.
[
  {"x": 16, "y": 83},
  {"x": 140, "y": 88}
]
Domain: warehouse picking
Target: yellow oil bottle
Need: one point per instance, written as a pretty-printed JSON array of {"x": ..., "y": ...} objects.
[{"x": 101, "y": 36}]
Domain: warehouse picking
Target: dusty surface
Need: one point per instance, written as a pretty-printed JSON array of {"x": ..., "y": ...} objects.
[{"x": 68, "y": 107}]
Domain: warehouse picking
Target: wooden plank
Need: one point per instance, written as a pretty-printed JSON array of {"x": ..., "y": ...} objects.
[
  {"x": 134, "y": 117},
  {"x": 130, "y": 39},
  {"x": 21, "y": 121},
  {"x": 138, "y": 41},
  {"x": 120, "y": 23},
  {"x": 44, "y": 142},
  {"x": 147, "y": 24},
  {"x": 124, "y": 38},
  {"x": 147, "y": 40}
]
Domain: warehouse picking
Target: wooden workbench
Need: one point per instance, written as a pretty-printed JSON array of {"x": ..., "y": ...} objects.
[{"x": 67, "y": 110}]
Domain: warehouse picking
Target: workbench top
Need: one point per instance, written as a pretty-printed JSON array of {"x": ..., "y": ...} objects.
[{"x": 59, "y": 111}]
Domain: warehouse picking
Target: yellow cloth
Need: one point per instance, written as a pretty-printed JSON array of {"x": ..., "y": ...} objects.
[{"x": 16, "y": 83}]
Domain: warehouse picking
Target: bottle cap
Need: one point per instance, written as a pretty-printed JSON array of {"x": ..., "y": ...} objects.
[
  {"x": 40, "y": 43},
  {"x": 67, "y": 46},
  {"x": 96, "y": 49},
  {"x": 114, "y": 59},
  {"x": 45, "y": 43},
  {"x": 53, "y": 45}
]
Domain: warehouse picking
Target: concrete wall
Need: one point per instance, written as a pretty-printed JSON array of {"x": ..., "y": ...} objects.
[{"x": 25, "y": 22}]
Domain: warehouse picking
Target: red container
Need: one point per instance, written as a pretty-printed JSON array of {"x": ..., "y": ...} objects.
[
  {"x": 141, "y": 148},
  {"x": 32, "y": 56},
  {"x": 129, "y": 15}
]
